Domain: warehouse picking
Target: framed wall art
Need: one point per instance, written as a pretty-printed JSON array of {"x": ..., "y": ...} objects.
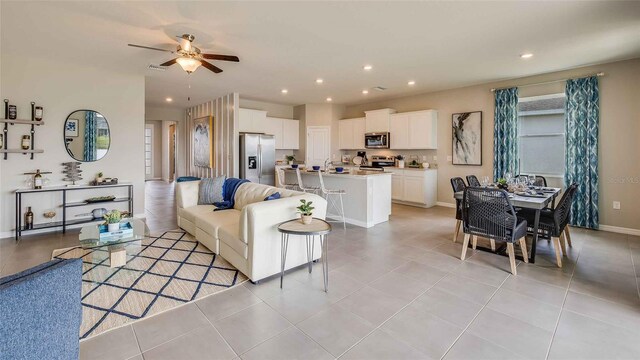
[{"x": 467, "y": 138}]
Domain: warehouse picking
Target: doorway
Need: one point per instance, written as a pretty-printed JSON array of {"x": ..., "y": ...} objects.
[{"x": 318, "y": 145}]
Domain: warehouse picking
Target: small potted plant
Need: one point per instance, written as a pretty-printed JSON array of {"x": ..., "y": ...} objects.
[
  {"x": 502, "y": 184},
  {"x": 290, "y": 159},
  {"x": 306, "y": 211},
  {"x": 112, "y": 219},
  {"x": 99, "y": 177},
  {"x": 400, "y": 161}
]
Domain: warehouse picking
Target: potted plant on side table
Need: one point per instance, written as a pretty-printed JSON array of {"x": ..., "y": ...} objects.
[
  {"x": 306, "y": 211},
  {"x": 112, "y": 218}
]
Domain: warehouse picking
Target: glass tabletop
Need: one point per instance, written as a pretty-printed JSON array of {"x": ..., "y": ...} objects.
[{"x": 90, "y": 234}]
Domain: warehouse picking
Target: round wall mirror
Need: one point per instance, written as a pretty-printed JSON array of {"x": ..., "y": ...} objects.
[{"x": 86, "y": 135}]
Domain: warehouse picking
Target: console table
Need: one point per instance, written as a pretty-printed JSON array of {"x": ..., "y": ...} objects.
[{"x": 64, "y": 190}]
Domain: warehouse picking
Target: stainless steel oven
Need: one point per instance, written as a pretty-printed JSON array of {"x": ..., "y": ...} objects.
[{"x": 376, "y": 140}]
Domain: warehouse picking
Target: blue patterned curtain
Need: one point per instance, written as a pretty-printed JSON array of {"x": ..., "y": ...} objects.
[
  {"x": 505, "y": 133},
  {"x": 89, "y": 152},
  {"x": 581, "y": 156}
]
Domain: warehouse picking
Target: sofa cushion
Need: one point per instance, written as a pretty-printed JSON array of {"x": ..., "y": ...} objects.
[
  {"x": 191, "y": 212},
  {"x": 230, "y": 235},
  {"x": 210, "y": 190},
  {"x": 250, "y": 193},
  {"x": 209, "y": 222}
]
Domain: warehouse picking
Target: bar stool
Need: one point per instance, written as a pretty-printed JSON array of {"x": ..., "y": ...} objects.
[
  {"x": 281, "y": 180},
  {"x": 331, "y": 201},
  {"x": 307, "y": 189}
]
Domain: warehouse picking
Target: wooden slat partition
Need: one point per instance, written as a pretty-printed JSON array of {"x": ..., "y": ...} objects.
[{"x": 225, "y": 116}]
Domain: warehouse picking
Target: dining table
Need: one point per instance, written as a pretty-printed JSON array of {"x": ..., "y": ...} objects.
[{"x": 540, "y": 200}]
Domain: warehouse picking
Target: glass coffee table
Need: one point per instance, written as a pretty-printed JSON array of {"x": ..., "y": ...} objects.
[{"x": 116, "y": 247}]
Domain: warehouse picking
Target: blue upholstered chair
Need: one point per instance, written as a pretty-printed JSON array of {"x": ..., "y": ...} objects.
[{"x": 41, "y": 313}]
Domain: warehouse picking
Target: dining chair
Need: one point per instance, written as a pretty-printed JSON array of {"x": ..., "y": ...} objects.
[
  {"x": 282, "y": 180},
  {"x": 458, "y": 185},
  {"x": 553, "y": 223},
  {"x": 488, "y": 213},
  {"x": 307, "y": 189},
  {"x": 330, "y": 195},
  {"x": 472, "y": 180}
]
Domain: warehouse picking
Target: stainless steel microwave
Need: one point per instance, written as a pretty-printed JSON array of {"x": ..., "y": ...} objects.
[{"x": 376, "y": 140}]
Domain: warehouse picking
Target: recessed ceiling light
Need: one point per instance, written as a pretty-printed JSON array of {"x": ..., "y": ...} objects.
[
  {"x": 329, "y": 99},
  {"x": 367, "y": 67},
  {"x": 284, "y": 91},
  {"x": 319, "y": 81},
  {"x": 411, "y": 83},
  {"x": 169, "y": 99},
  {"x": 365, "y": 92},
  {"x": 526, "y": 55}
]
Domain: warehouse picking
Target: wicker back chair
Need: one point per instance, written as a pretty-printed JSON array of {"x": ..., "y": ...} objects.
[
  {"x": 458, "y": 185},
  {"x": 488, "y": 213},
  {"x": 540, "y": 180},
  {"x": 472, "y": 180},
  {"x": 553, "y": 223}
]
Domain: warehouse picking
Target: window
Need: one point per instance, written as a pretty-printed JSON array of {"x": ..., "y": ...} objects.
[
  {"x": 542, "y": 134},
  {"x": 148, "y": 135}
]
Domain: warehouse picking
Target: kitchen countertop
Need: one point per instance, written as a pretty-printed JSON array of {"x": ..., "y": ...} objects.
[
  {"x": 352, "y": 174},
  {"x": 408, "y": 168}
]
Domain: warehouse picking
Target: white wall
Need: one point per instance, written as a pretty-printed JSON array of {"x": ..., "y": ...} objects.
[
  {"x": 62, "y": 88},
  {"x": 272, "y": 109}
]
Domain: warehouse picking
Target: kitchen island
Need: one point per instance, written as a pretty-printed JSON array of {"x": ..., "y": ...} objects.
[{"x": 368, "y": 198}]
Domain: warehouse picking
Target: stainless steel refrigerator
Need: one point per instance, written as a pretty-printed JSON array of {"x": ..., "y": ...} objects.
[{"x": 258, "y": 158}]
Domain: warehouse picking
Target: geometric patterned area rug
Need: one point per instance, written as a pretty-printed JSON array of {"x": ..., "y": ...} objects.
[{"x": 161, "y": 273}]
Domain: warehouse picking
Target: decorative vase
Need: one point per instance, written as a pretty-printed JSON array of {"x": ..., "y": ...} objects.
[
  {"x": 113, "y": 227},
  {"x": 291, "y": 162},
  {"x": 306, "y": 219},
  {"x": 401, "y": 164}
]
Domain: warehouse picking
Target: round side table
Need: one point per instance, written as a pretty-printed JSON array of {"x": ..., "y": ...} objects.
[{"x": 317, "y": 227}]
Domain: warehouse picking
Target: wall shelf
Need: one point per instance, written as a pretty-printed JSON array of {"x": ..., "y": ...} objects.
[
  {"x": 18, "y": 151},
  {"x": 25, "y": 122},
  {"x": 5, "y": 131}
]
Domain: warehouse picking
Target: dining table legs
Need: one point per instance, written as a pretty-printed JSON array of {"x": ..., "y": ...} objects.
[{"x": 534, "y": 240}]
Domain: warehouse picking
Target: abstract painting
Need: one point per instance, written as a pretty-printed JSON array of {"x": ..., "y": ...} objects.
[
  {"x": 467, "y": 138},
  {"x": 203, "y": 142}
]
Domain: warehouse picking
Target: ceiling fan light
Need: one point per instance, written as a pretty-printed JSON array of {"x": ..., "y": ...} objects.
[{"x": 188, "y": 64}]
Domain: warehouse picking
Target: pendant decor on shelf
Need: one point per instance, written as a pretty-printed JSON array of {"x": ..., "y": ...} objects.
[{"x": 72, "y": 172}]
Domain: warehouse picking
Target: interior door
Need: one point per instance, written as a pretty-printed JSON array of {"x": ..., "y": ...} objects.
[
  {"x": 318, "y": 145},
  {"x": 172, "y": 152}
]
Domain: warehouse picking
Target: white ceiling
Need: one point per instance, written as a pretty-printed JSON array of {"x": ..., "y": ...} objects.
[{"x": 288, "y": 45}]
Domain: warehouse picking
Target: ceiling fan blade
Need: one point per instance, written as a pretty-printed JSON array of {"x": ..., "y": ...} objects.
[
  {"x": 211, "y": 67},
  {"x": 169, "y": 63},
  {"x": 220, "y": 57},
  {"x": 150, "y": 48}
]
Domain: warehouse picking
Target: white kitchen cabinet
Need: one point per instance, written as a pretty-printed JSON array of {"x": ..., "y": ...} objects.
[
  {"x": 399, "y": 131},
  {"x": 423, "y": 129},
  {"x": 417, "y": 187},
  {"x": 291, "y": 134},
  {"x": 351, "y": 133},
  {"x": 378, "y": 120},
  {"x": 414, "y": 130},
  {"x": 359, "y": 129},
  {"x": 397, "y": 186},
  {"x": 274, "y": 126},
  {"x": 285, "y": 131},
  {"x": 252, "y": 120}
]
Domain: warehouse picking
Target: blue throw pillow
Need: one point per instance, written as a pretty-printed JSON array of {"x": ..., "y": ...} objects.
[{"x": 273, "y": 196}]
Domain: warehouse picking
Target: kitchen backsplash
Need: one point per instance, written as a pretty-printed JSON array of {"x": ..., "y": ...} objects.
[{"x": 423, "y": 155}]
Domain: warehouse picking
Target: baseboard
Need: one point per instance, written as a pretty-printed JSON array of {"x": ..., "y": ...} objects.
[
  {"x": 359, "y": 223},
  {"x": 446, "y": 204},
  {"x": 620, "y": 230}
]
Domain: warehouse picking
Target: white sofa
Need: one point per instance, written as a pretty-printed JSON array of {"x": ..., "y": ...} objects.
[{"x": 247, "y": 235}]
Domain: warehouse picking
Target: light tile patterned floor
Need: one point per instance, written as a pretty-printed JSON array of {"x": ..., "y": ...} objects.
[{"x": 399, "y": 291}]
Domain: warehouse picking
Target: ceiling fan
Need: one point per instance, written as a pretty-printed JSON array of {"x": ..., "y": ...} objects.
[{"x": 190, "y": 57}]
